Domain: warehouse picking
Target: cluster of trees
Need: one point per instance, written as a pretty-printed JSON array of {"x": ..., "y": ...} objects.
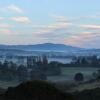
[
  {"x": 10, "y": 71},
  {"x": 34, "y": 70},
  {"x": 82, "y": 61},
  {"x": 88, "y": 61}
]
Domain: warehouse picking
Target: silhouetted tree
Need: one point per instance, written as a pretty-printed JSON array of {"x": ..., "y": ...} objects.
[
  {"x": 84, "y": 61},
  {"x": 22, "y": 73},
  {"x": 5, "y": 65},
  {"x": 98, "y": 74},
  {"x": 79, "y": 77},
  {"x": 45, "y": 60}
]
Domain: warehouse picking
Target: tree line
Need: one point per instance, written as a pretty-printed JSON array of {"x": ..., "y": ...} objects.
[{"x": 34, "y": 70}]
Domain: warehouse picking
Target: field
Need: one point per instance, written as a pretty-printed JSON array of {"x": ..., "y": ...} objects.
[
  {"x": 69, "y": 72},
  {"x": 67, "y": 75}
]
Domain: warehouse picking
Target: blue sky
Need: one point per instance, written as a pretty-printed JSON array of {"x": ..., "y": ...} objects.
[{"x": 71, "y": 22}]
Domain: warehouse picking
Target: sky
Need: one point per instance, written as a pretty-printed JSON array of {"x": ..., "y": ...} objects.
[{"x": 70, "y": 22}]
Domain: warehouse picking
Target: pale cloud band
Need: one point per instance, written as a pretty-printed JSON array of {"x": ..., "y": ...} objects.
[
  {"x": 90, "y": 26},
  {"x": 21, "y": 19},
  {"x": 14, "y": 8}
]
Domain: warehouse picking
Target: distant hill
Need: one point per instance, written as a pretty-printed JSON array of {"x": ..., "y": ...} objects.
[
  {"x": 47, "y": 49},
  {"x": 41, "y": 47}
]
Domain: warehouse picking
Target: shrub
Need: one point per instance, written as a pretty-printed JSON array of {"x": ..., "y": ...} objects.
[
  {"x": 79, "y": 77},
  {"x": 36, "y": 90}
]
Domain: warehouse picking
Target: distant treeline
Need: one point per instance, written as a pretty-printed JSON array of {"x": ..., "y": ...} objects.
[
  {"x": 40, "y": 69},
  {"x": 84, "y": 61},
  {"x": 34, "y": 70}
]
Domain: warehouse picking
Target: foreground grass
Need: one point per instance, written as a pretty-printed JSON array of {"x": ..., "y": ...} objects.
[{"x": 41, "y": 90}]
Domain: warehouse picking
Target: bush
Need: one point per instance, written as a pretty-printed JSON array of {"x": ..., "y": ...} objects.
[
  {"x": 36, "y": 90},
  {"x": 79, "y": 77},
  {"x": 94, "y": 75},
  {"x": 98, "y": 74},
  {"x": 91, "y": 94}
]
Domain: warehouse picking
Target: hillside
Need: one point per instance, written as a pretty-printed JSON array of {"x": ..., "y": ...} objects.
[{"x": 41, "y": 47}]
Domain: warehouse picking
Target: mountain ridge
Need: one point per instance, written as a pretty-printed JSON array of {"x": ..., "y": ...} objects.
[{"x": 44, "y": 46}]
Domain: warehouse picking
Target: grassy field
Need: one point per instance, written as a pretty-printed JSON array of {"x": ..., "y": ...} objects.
[
  {"x": 68, "y": 73},
  {"x": 66, "y": 76}
]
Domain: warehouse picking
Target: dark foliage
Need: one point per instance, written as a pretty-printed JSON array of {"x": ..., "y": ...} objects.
[
  {"x": 40, "y": 90},
  {"x": 36, "y": 90},
  {"x": 35, "y": 69},
  {"x": 93, "y": 94},
  {"x": 79, "y": 77}
]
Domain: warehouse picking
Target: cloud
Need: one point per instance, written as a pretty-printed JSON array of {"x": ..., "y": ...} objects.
[
  {"x": 5, "y": 31},
  {"x": 90, "y": 17},
  {"x": 53, "y": 28},
  {"x": 5, "y": 25},
  {"x": 90, "y": 26},
  {"x": 61, "y": 24},
  {"x": 82, "y": 38},
  {"x": 5, "y": 28},
  {"x": 59, "y": 18},
  {"x": 1, "y": 18},
  {"x": 22, "y": 19},
  {"x": 14, "y": 8},
  {"x": 54, "y": 32}
]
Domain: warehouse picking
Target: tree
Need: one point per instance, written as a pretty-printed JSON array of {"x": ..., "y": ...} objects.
[
  {"x": 37, "y": 75},
  {"x": 1, "y": 65},
  {"x": 45, "y": 60},
  {"x": 94, "y": 74},
  {"x": 5, "y": 65},
  {"x": 84, "y": 61},
  {"x": 98, "y": 74},
  {"x": 94, "y": 60},
  {"x": 79, "y": 77},
  {"x": 22, "y": 73}
]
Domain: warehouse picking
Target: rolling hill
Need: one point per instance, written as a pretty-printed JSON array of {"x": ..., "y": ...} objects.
[{"x": 41, "y": 47}]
